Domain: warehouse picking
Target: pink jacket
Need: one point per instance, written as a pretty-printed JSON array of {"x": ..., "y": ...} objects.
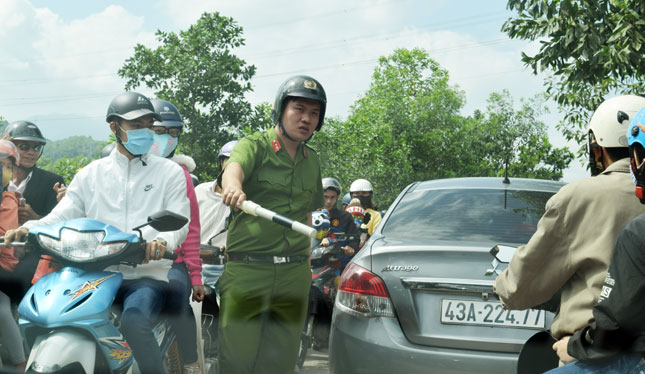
[{"x": 188, "y": 251}]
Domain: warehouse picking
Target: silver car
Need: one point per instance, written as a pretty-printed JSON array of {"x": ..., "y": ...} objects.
[{"x": 418, "y": 297}]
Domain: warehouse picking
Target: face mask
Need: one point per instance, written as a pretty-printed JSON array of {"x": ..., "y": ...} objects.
[
  {"x": 163, "y": 145},
  {"x": 139, "y": 141},
  {"x": 365, "y": 201},
  {"x": 7, "y": 173}
]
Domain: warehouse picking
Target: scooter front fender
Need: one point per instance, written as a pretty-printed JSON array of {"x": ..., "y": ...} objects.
[{"x": 53, "y": 351}]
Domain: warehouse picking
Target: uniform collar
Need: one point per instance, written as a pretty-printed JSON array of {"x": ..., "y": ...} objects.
[{"x": 277, "y": 145}]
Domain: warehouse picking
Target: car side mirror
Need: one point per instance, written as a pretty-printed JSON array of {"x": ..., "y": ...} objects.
[{"x": 503, "y": 253}]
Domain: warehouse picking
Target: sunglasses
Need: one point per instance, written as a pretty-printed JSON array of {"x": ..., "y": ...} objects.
[
  {"x": 25, "y": 147},
  {"x": 172, "y": 131}
]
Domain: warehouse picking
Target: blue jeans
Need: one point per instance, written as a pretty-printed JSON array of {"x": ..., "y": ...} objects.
[
  {"x": 180, "y": 312},
  {"x": 625, "y": 363},
  {"x": 142, "y": 301}
]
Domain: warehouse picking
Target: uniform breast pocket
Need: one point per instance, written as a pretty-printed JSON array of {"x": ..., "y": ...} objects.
[{"x": 274, "y": 179}]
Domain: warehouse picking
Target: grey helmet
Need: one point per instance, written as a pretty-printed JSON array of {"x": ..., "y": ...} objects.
[
  {"x": 168, "y": 112},
  {"x": 332, "y": 183},
  {"x": 107, "y": 149},
  {"x": 129, "y": 106},
  {"x": 25, "y": 130},
  {"x": 346, "y": 199}
]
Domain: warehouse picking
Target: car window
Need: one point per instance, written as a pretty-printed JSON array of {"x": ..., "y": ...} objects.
[{"x": 490, "y": 215}]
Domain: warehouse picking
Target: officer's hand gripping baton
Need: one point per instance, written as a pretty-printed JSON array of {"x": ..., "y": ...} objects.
[{"x": 254, "y": 209}]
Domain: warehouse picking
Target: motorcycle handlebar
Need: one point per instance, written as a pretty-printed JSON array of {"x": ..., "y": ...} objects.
[{"x": 13, "y": 244}]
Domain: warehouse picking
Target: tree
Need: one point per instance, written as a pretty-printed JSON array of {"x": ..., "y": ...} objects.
[
  {"x": 407, "y": 128},
  {"x": 591, "y": 48},
  {"x": 66, "y": 167},
  {"x": 515, "y": 139},
  {"x": 197, "y": 72}
]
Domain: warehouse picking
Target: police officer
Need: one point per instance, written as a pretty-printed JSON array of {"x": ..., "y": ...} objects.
[{"x": 266, "y": 282}]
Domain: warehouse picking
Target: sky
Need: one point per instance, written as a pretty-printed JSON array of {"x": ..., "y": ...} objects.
[{"x": 60, "y": 58}]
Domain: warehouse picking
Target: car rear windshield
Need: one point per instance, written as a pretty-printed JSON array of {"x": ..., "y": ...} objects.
[{"x": 491, "y": 215}]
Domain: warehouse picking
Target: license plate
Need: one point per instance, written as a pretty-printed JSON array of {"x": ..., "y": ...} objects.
[{"x": 485, "y": 313}]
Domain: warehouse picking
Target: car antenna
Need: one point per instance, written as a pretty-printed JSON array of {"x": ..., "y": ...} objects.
[{"x": 506, "y": 180}]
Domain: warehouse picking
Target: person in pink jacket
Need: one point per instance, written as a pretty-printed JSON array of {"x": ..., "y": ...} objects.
[{"x": 186, "y": 271}]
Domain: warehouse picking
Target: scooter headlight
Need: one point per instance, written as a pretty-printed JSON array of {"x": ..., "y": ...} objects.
[{"x": 80, "y": 246}]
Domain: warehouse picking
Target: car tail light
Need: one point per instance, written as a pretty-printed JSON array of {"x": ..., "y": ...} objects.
[{"x": 363, "y": 294}]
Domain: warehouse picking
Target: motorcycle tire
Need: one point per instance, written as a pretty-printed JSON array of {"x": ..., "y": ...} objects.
[
  {"x": 305, "y": 341},
  {"x": 536, "y": 355}
]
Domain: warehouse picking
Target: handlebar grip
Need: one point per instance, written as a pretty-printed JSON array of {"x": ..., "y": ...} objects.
[{"x": 170, "y": 255}]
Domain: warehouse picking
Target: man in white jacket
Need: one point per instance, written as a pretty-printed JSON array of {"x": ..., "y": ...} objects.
[{"x": 122, "y": 190}]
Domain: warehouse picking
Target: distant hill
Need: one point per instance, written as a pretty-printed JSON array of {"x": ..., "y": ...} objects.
[{"x": 72, "y": 147}]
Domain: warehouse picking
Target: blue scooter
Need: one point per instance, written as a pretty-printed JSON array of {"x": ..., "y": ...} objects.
[{"x": 66, "y": 318}]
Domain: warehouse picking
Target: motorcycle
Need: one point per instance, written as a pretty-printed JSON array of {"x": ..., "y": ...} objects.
[
  {"x": 325, "y": 265},
  {"x": 211, "y": 255},
  {"x": 537, "y": 355},
  {"x": 67, "y": 318}
]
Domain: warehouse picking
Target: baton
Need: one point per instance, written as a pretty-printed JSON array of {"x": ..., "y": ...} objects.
[{"x": 254, "y": 209}]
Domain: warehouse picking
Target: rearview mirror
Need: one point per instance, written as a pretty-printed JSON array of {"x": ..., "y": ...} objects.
[
  {"x": 503, "y": 253},
  {"x": 167, "y": 221}
]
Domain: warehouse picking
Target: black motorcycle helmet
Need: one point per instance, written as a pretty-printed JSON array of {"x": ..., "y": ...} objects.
[
  {"x": 168, "y": 112},
  {"x": 299, "y": 86},
  {"x": 129, "y": 106},
  {"x": 25, "y": 130}
]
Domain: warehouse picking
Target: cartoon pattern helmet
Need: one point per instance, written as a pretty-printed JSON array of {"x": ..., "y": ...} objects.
[
  {"x": 25, "y": 130},
  {"x": 299, "y": 86},
  {"x": 168, "y": 112},
  {"x": 320, "y": 222},
  {"x": 332, "y": 183},
  {"x": 636, "y": 141}
]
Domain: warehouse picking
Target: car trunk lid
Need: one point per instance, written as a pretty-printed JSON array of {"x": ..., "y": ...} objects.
[{"x": 443, "y": 296}]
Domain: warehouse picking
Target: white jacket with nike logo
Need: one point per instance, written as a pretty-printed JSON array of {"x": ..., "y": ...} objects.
[{"x": 123, "y": 193}]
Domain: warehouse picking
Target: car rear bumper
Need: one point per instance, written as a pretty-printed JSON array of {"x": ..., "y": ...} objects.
[{"x": 377, "y": 345}]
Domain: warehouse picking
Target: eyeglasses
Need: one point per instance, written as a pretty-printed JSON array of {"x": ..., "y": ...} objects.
[
  {"x": 172, "y": 131},
  {"x": 25, "y": 147}
]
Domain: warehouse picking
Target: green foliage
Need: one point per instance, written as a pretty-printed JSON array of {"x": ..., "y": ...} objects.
[
  {"x": 407, "y": 128},
  {"x": 592, "y": 49},
  {"x": 72, "y": 147},
  {"x": 66, "y": 167},
  {"x": 196, "y": 71}
]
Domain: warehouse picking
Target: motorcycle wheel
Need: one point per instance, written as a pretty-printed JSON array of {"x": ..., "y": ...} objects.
[{"x": 305, "y": 341}]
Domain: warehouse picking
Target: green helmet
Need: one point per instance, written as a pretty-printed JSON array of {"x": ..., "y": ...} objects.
[
  {"x": 300, "y": 86},
  {"x": 129, "y": 106},
  {"x": 25, "y": 130}
]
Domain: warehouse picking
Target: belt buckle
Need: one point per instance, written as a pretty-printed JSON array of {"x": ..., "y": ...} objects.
[{"x": 280, "y": 260}]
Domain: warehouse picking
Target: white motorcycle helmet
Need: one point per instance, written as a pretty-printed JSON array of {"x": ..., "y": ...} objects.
[
  {"x": 361, "y": 185},
  {"x": 608, "y": 124}
]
